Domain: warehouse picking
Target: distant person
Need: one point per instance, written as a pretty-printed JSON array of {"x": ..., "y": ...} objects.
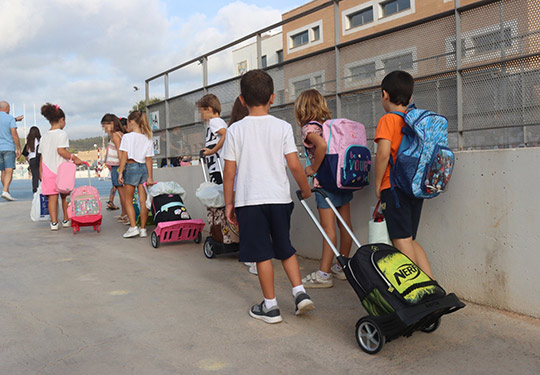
[
  {"x": 210, "y": 109},
  {"x": 32, "y": 155},
  {"x": 54, "y": 151},
  {"x": 136, "y": 152},
  {"x": 257, "y": 151},
  {"x": 402, "y": 222},
  {"x": 311, "y": 110},
  {"x": 10, "y": 148},
  {"x": 112, "y": 126}
]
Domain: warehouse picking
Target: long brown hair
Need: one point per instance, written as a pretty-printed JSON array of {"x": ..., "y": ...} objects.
[
  {"x": 33, "y": 134},
  {"x": 142, "y": 120},
  {"x": 238, "y": 112}
]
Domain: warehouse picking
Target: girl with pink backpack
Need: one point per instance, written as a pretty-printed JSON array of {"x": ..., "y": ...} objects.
[
  {"x": 53, "y": 150},
  {"x": 311, "y": 110}
]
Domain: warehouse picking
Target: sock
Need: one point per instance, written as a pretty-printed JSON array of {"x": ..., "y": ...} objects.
[
  {"x": 323, "y": 275},
  {"x": 269, "y": 303},
  {"x": 297, "y": 289}
]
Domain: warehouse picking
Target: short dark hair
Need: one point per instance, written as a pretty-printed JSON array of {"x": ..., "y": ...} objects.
[
  {"x": 256, "y": 87},
  {"x": 399, "y": 85},
  {"x": 210, "y": 101}
]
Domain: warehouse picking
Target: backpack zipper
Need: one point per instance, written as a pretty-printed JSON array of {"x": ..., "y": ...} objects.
[{"x": 390, "y": 287}]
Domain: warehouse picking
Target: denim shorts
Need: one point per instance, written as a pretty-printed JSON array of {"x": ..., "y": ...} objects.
[
  {"x": 338, "y": 198},
  {"x": 114, "y": 175},
  {"x": 135, "y": 174},
  {"x": 7, "y": 160}
]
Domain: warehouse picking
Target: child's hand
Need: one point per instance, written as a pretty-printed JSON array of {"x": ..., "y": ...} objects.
[
  {"x": 77, "y": 161},
  {"x": 206, "y": 151},
  {"x": 306, "y": 194},
  {"x": 150, "y": 182},
  {"x": 120, "y": 178},
  {"x": 309, "y": 171},
  {"x": 230, "y": 214}
]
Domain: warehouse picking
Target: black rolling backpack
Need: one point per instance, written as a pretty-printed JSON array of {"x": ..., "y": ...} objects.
[{"x": 169, "y": 207}]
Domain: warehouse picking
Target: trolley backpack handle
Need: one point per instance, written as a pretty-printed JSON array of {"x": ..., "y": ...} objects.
[
  {"x": 88, "y": 169},
  {"x": 340, "y": 257},
  {"x": 202, "y": 161}
]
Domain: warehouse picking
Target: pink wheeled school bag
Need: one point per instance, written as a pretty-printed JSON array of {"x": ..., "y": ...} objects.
[
  {"x": 85, "y": 207},
  {"x": 65, "y": 176}
]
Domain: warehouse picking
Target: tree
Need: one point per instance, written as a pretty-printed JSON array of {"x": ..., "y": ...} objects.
[{"x": 141, "y": 105}]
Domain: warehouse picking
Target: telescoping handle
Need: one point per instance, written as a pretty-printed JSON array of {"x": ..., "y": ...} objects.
[
  {"x": 88, "y": 169},
  {"x": 202, "y": 161},
  {"x": 318, "y": 224}
]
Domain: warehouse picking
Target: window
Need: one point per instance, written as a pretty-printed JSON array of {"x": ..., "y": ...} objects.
[
  {"x": 463, "y": 47},
  {"x": 316, "y": 33},
  {"x": 264, "y": 62},
  {"x": 279, "y": 56},
  {"x": 401, "y": 62},
  {"x": 301, "y": 83},
  {"x": 300, "y": 39},
  {"x": 362, "y": 72},
  {"x": 300, "y": 86},
  {"x": 242, "y": 67},
  {"x": 318, "y": 83},
  {"x": 360, "y": 18},
  {"x": 394, "y": 6},
  {"x": 493, "y": 41}
]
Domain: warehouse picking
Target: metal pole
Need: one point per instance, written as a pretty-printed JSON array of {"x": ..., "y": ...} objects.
[
  {"x": 337, "y": 36},
  {"x": 204, "y": 62},
  {"x": 259, "y": 51},
  {"x": 459, "y": 77},
  {"x": 167, "y": 119}
]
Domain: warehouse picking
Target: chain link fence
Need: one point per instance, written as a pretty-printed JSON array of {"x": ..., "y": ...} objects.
[{"x": 479, "y": 66}]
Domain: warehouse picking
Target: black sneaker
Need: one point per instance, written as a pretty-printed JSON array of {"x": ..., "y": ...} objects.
[
  {"x": 303, "y": 303},
  {"x": 269, "y": 316}
]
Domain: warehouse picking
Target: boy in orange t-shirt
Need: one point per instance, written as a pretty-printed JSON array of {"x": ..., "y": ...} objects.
[{"x": 397, "y": 88}]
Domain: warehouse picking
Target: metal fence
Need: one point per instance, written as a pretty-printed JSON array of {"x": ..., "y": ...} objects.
[{"x": 478, "y": 65}]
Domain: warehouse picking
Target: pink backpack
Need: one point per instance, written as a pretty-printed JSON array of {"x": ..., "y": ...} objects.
[
  {"x": 347, "y": 162},
  {"x": 85, "y": 203},
  {"x": 65, "y": 176}
]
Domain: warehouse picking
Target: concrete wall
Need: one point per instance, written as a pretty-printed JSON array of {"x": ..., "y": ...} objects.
[{"x": 481, "y": 236}]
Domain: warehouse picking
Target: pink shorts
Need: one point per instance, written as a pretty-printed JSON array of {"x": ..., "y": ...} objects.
[{"x": 48, "y": 181}]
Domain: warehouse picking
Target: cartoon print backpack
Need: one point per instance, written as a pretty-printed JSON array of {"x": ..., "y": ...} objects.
[
  {"x": 65, "y": 176},
  {"x": 84, "y": 202},
  {"x": 347, "y": 162},
  {"x": 424, "y": 162}
]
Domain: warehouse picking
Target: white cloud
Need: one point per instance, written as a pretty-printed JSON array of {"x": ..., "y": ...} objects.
[{"x": 87, "y": 55}]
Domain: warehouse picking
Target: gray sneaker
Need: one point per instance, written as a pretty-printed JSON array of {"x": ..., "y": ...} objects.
[
  {"x": 303, "y": 303},
  {"x": 269, "y": 316},
  {"x": 337, "y": 271}
]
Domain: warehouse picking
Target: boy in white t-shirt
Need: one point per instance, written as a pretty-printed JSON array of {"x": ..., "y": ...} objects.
[
  {"x": 257, "y": 151},
  {"x": 210, "y": 110}
]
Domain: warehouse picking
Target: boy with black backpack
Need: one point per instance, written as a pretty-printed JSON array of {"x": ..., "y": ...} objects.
[{"x": 401, "y": 211}]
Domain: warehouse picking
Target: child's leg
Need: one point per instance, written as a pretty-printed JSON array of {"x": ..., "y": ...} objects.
[
  {"x": 65, "y": 206},
  {"x": 121, "y": 195},
  {"x": 142, "y": 203},
  {"x": 328, "y": 222},
  {"x": 111, "y": 194},
  {"x": 128, "y": 203},
  {"x": 415, "y": 252},
  {"x": 290, "y": 265},
  {"x": 345, "y": 241},
  {"x": 53, "y": 208},
  {"x": 266, "y": 278}
]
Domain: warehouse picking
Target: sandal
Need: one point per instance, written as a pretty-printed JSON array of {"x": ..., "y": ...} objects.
[
  {"x": 111, "y": 206},
  {"x": 122, "y": 219}
]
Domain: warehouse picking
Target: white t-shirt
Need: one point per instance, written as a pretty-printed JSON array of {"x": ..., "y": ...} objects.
[
  {"x": 137, "y": 146},
  {"x": 48, "y": 148},
  {"x": 212, "y": 138},
  {"x": 258, "y": 145},
  {"x": 32, "y": 154}
]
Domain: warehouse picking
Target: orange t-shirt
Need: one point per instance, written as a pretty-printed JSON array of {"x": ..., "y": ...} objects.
[{"x": 389, "y": 127}]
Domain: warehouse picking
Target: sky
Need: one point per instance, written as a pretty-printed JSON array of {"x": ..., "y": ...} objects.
[{"x": 86, "y": 56}]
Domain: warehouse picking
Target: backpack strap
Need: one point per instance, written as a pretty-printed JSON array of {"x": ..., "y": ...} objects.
[{"x": 308, "y": 162}]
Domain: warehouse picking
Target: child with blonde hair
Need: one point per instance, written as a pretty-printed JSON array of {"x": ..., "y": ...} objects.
[
  {"x": 311, "y": 110},
  {"x": 136, "y": 152}
]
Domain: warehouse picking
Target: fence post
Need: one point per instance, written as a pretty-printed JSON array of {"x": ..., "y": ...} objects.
[
  {"x": 337, "y": 38},
  {"x": 204, "y": 62},
  {"x": 459, "y": 77},
  {"x": 259, "y": 51},
  {"x": 167, "y": 118}
]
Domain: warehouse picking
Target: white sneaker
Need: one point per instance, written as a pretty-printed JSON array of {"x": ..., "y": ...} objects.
[
  {"x": 253, "y": 269},
  {"x": 55, "y": 226},
  {"x": 142, "y": 232},
  {"x": 66, "y": 224},
  {"x": 314, "y": 280},
  {"x": 7, "y": 196},
  {"x": 132, "y": 232},
  {"x": 337, "y": 271}
]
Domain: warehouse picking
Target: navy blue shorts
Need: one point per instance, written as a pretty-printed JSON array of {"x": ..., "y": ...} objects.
[
  {"x": 401, "y": 222},
  {"x": 264, "y": 232}
]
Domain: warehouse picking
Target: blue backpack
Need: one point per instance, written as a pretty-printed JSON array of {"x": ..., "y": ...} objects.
[{"x": 424, "y": 162}]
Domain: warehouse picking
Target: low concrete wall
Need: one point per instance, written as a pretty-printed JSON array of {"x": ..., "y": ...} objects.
[{"x": 481, "y": 236}]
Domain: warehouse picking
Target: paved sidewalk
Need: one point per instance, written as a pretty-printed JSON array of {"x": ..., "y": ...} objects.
[{"x": 98, "y": 304}]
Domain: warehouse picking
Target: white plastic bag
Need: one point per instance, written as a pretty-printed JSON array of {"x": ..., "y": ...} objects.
[
  {"x": 40, "y": 207},
  {"x": 378, "y": 232},
  {"x": 211, "y": 195},
  {"x": 168, "y": 187}
]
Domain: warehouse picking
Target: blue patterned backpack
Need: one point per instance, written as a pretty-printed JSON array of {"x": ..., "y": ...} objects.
[{"x": 424, "y": 162}]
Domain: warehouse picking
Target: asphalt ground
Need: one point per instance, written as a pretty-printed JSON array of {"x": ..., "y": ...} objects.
[{"x": 95, "y": 303}]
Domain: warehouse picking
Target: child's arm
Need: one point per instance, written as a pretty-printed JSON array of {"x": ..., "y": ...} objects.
[
  {"x": 218, "y": 146},
  {"x": 320, "y": 151},
  {"x": 150, "y": 179},
  {"x": 298, "y": 173},
  {"x": 228, "y": 192},
  {"x": 123, "y": 161},
  {"x": 381, "y": 163},
  {"x": 67, "y": 155}
]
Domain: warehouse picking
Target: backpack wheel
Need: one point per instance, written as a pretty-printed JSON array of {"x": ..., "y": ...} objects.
[
  {"x": 432, "y": 327},
  {"x": 369, "y": 335},
  {"x": 208, "y": 251},
  {"x": 154, "y": 238},
  {"x": 198, "y": 239}
]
